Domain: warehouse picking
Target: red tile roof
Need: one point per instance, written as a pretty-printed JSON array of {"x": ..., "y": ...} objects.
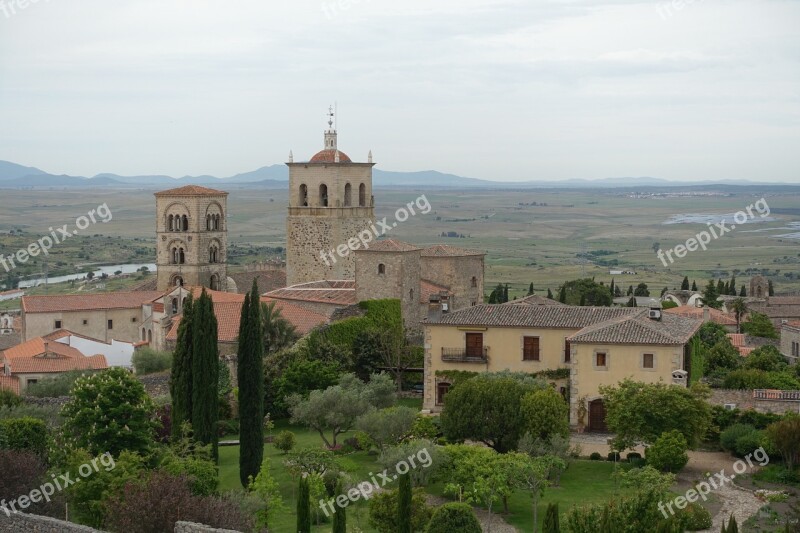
[
  {"x": 535, "y": 300},
  {"x": 9, "y": 383},
  {"x": 389, "y": 245},
  {"x": 691, "y": 311},
  {"x": 34, "y": 357},
  {"x": 87, "y": 302},
  {"x": 304, "y": 320},
  {"x": 533, "y": 316},
  {"x": 329, "y": 156},
  {"x": 637, "y": 329},
  {"x": 268, "y": 280},
  {"x": 217, "y": 296},
  {"x": 737, "y": 339},
  {"x": 337, "y": 292},
  {"x": 191, "y": 190},
  {"x": 445, "y": 250},
  {"x": 428, "y": 289}
]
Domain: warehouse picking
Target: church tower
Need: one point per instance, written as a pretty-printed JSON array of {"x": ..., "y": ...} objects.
[
  {"x": 192, "y": 238},
  {"x": 330, "y": 202}
]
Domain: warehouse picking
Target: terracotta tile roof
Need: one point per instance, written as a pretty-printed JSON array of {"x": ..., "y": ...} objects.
[
  {"x": 87, "y": 302},
  {"x": 691, "y": 311},
  {"x": 9, "y": 383},
  {"x": 329, "y": 156},
  {"x": 158, "y": 307},
  {"x": 745, "y": 350},
  {"x": 784, "y": 300},
  {"x": 12, "y": 292},
  {"x": 33, "y": 357},
  {"x": 535, "y": 300},
  {"x": 795, "y": 324},
  {"x": 533, "y": 316},
  {"x": 638, "y": 328},
  {"x": 428, "y": 289},
  {"x": 737, "y": 339},
  {"x": 304, "y": 320},
  {"x": 217, "y": 296},
  {"x": 191, "y": 190},
  {"x": 445, "y": 250},
  {"x": 338, "y": 292},
  {"x": 389, "y": 245},
  {"x": 150, "y": 284},
  {"x": 268, "y": 280},
  {"x": 772, "y": 311}
]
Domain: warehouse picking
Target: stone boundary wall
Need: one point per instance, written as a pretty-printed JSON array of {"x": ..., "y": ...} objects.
[
  {"x": 190, "y": 527},
  {"x": 744, "y": 400},
  {"x": 29, "y": 523}
]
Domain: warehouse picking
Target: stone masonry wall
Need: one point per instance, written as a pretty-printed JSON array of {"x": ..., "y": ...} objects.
[
  {"x": 743, "y": 399},
  {"x": 27, "y": 523}
]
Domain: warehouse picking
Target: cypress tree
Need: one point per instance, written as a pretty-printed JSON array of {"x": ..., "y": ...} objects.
[
  {"x": 250, "y": 373},
  {"x": 551, "y": 524},
  {"x": 770, "y": 288},
  {"x": 732, "y": 285},
  {"x": 721, "y": 287},
  {"x": 743, "y": 292},
  {"x": 530, "y": 289},
  {"x": 180, "y": 381},
  {"x": 549, "y": 294},
  {"x": 339, "y": 517},
  {"x": 562, "y": 295},
  {"x": 583, "y": 299},
  {"x": 630, "y": 290},
  {"x": 505, "y": 293},
  {"x": 303, "y": 507},
  {"x": 205, "y": 373},
  {"x": 685, "y": 283},
  {"x": 632, "y": 302},
  {"x": 404, "y": 505},
  {"x": 694, "y": 285},
  {"x": 611, "y": 288},
  {"x": 733, "y": 527}
]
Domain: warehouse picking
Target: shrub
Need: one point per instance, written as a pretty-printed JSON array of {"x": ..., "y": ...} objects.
[
  {"x": 595, "y": 456},
  {"x": 23, "y": 471},
  {"x": 697, "y": 517},
  {"x": 228, "y": 427},
  {"x": 454, "y": 516},
  {"x": 9, "y": 398},
  {"x": 285, "y": 441},
  {"x": 201, "y": 473},
  {"x": 24, "y": 434},
  {"x": 383, "y": 511},
  {"x": 148, "y": 361},
  {"x": 50, "y": 414},
  {"x": 425, "y": 427},
  {"x": 613, "y": 456},
  {"x": 57, "y": 386},
  {"x": 354, "y": 443},
  {"x": 728, "y": 438},
  {"x": 668, "y": 453},
  {"x": 425, "y": 452},
  {"x": 749, "y": 442}
]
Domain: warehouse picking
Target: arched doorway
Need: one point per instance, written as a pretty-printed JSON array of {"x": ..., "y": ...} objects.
[{"x": 597, "y": 416}]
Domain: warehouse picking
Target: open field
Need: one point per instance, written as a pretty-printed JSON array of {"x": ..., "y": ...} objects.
[{"x": 525, "y": 243}]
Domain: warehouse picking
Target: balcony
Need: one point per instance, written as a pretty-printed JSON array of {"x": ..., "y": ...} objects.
[
  {"x": 462, "y": 355},
  {"x": 777, "y": 395}
]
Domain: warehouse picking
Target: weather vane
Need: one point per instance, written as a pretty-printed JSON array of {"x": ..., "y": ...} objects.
[{"x": 330, "y": 116}]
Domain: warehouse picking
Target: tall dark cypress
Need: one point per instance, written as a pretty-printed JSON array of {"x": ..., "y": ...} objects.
[
  {"x": 250, "y": 374},
  {"x": 205, "y": 373},
  {"x": 339, "y": 517},
  {"x": 304, "y": 507},
  {"x": 551, "y": 524},
  {"x": 180, "y": 382},
  {"x": 404, "y": 504},
  {"x": 685, "y": 284}
]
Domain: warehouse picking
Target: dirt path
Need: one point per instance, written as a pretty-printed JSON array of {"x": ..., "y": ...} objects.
[{"x": 498, "y": 524}]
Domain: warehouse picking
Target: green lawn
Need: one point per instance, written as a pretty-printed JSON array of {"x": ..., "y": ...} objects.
[{"x": 585, "y": 482}]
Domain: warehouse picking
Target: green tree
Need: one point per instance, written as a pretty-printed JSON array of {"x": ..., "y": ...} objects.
[
  {"x": 549, "y": 294},
  {"x": 694, "y": 286},
  {"x": 545, "y": 413},
  {"x": 205, "y": 372},
  {"x": 388, "y": 426},
  {"x": 530, "y": 289},
  {"x": 303, "y": 507},
  {"x": 640, "y": 412},
  {"x": 562, "y": 295},
  {"x": 250, "y": 371},
  {"x": 732, "y": 286},
  {"x": 340, "y": 516},
  {"x": 383, "y": 511},
  {"x": 404, "y": 507},
  {"x": 770, "y": 288},
  {"x": 301, "y": 377},
  {"x": 641, "y": 290},
  {"x": 180, "y": 383},
  {"x": 148, "y": 361},
  {"x": 668, "y": 452},
  {"x": 454, "y": 516},
  {"x": 632, "y": 302},
  {"x": 767, "y": 358},
  {"x": 278, "y": 332},
  {"x": 759, "y": 325},
  {"x": 685, "y": 283},
  {"x": 551, "y": 524},
  {"x": 269, "y": 494},
  {"x": 532, "y": 474},
  {"x": 486, "y": 409},
  {"x": 722, "y": 356},
  {"x": 785, "y": 436},
  {"x": 109, "y": 412},
  {"x": 721, "y": 287},
  {"x": 612, "y": 288},
  {"x": 586, "y": 290},
  {"x": 711, "y": 295},
  {"x": 739, "y": 308},
  {"x": 743, "y": 291}
]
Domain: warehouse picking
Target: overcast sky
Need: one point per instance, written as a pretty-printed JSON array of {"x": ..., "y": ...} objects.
[{"x": 502, "y": 90}]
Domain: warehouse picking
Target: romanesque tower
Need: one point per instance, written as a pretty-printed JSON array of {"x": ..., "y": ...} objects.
[
  {"x": 330, "y": 202},
  {"x": 192, "y": 238}
]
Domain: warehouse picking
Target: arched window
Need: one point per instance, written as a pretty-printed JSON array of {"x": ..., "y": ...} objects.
[
  {"x": 181, "y": 257},
  {"x": 174, "y": 259},
  {"x": 213, "y": 254},
  {"x": 303, "y": 195},
  {"x": 177, "y": 281},
  {"x": 216, "y": 221},
  {"x": 144, "y": 334},
  {"x": 474, "y": 281},
  {"x": 170, "y": 221},
  {"x": 185, "y": 223},
  {"x": 214, "y": 282},
  {"x": 362, "y": 195},
  {"x": 150, "y": 336},
  {"x": 208, "y": 222},
  {"x": 323, "y": 195},
  {"x": 381, "y": 268},
  {"x": 174, "y": 306},
  {"x": 347, "y": 195}
]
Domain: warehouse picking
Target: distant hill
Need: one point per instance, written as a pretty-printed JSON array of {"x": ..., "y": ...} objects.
[{"x": 275, "y": 177}]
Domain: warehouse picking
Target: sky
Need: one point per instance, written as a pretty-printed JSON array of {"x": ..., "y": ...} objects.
[{"x": 500, "y": 90}]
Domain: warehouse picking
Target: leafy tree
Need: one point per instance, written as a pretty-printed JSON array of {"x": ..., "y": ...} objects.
[
  {"x": 454, "y": 516},
  {"x": 269, "y": 494},
  {"x": 383, "y": 511},
  {"x": 250, "y": 373},
  {"x": 632, "y": 302},
  {"x": 109, "y": 412},
  {"x": 285, "y": 441},
  {"x": 685, "y": 283},
  {"x": 404, "y": 506},
  {"x": 767, "y": 358},
  {"x": 531, "y": 473},
  {"x": 785, "y": 436},
  {"x": 630, "y": 291},
  {"x": 711, "y": 295},
  {"x": 641, "y": 290},
  {"x": 641, "y": 412},
  {"x": 180, "y": 383},
  {"x": 722, "y": 287},
  {"x": 612, "y": 288},
  {"x": 303, "y": 507},
  {"x": 759, "y": 325},
  {"x": 586, "y": 290},
  {"x": 710, "y": 333},
  {"x": 205, "y": 371},
  {"x": 301, "y": 377},
  {"x": 668, "y": 453},
  {"x": 722, "y": 356},
  {"x": 486, "y": 409},
  {"x": 387, "y": 426},
  {"x": 545, "y": 413},
  {"x": 551, "y": 524},
  {"x": 739, "y": 308},
  {"x": 337, "y": 408},
  {"x": 425, "y": 450},
  {"x": 9, "y": 398},
  {"x": 148, "y": 361},
  {"x": 278, "y": 332},
  {"x": 24, "y": 434}
]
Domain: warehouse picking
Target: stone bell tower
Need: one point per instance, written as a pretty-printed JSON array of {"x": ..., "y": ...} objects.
[{"x": 330, "y": 201}]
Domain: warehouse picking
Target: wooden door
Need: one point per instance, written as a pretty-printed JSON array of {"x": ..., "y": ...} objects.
[
  {"x": 474, "y": 344},
  {"x": 597, "y": 416}
]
